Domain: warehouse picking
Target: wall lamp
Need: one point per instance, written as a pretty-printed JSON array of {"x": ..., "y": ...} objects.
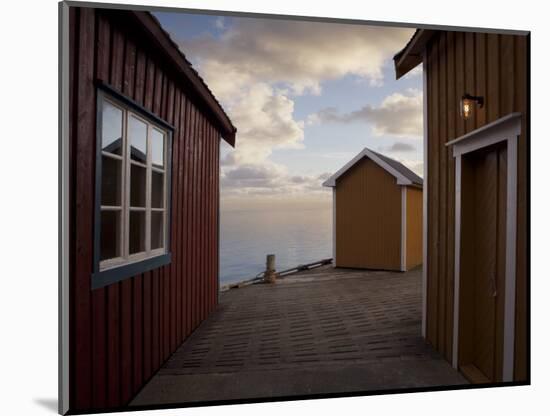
[{"x": 467, "y": 105}]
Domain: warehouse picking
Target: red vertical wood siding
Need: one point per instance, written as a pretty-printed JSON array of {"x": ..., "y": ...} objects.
[
  {"x": 121, "y": 334},
  {"x": 495, "y": 67}
]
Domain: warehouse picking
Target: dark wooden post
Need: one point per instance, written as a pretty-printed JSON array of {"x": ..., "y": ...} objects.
[{"x": 270, "y": 275}]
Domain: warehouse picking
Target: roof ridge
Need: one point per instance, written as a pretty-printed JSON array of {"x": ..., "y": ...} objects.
[
  {"x": 415, "y": 178},
  {"x": 403, "y": 175},
  {"x": 390, "y": 158}
]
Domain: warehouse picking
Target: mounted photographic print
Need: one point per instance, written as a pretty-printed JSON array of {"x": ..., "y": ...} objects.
[{"x": 262, "y": 208}]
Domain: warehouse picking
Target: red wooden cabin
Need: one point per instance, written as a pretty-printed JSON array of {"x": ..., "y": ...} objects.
[{"x": 144, "y": 133}]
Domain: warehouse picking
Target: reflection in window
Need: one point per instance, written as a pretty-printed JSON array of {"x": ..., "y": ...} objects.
[
  {"x": 157, "y": 148},
  {"x": 111, "y": 137},
  {"x": 157, "y": 229},
  {"x": 133, "y": 179},
  {"x": 157, "y": 192},
  {"x": 138, "y": 186},
  {"x": 137, "y": 231},
  {"x": 111, "y": 181},
  {"x": 110, "y": 235},
  {"x": 137, "y": 132}
]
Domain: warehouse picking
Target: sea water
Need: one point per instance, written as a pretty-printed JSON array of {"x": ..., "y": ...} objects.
[{"x": 295, "y": 236}]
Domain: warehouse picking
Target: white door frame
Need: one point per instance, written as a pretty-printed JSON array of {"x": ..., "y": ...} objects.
[
  {"x": 507, "y": 129},
  {"x": 425, "y": 194}
]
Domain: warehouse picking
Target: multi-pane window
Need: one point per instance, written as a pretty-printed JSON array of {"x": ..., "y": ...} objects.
[{"x": 134, "y": 175}]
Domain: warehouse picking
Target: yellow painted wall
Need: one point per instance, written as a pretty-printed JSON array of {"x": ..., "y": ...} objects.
[
  {"x": 494, "y": 66},
  {"x": 368, "y": 218}
]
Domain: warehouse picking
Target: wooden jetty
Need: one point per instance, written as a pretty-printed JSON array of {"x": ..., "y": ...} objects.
[
  {"x": 320, "y": 331},
  {"x": 259, "y": 278}
]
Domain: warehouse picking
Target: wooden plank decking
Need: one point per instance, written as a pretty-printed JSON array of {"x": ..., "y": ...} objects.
[{"x": 315, "y": 332}]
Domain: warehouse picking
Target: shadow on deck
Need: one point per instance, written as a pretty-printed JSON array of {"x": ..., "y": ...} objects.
[{"x": 315, "y": 332}]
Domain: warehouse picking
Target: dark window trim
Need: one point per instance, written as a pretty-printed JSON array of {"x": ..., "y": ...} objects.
[
  {"x": 116, "y": 274},
  {"x": 133, "y": 105}
]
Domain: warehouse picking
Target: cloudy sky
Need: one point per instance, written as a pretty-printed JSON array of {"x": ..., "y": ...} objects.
[{"x": 305, "y": 98}]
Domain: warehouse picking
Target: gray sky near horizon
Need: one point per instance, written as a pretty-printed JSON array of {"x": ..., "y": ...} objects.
[{"x": 306, "y": 97}]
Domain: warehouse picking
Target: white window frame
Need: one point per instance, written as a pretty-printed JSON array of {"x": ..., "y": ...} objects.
[{"x": 114, "y": 269}]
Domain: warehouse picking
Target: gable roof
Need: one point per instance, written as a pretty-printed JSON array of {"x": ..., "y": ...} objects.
[
  {"x": 411, "y": 55},
  {"x": 402, "y": 174},
  {"x": 166, "y": 45}
]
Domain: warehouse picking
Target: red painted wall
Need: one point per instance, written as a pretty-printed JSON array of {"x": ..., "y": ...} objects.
[{"x": 121, "y": 334}]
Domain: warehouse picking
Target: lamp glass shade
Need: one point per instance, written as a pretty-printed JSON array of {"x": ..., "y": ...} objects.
[{"x": 466, "y": 107}]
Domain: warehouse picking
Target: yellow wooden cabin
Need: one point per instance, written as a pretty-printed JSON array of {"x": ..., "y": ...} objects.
[{"x": 377, "y": 214}]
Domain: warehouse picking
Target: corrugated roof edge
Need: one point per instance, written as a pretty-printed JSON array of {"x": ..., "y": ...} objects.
[
  {"x": 230, "y": 129},
  {"x": 401, "y": 168}
]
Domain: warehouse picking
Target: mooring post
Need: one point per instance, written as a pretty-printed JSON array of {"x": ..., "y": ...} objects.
[{"x": 270, "y": 275}]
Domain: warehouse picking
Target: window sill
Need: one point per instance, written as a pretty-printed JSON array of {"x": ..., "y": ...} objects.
[{"x": 116, "y": 274}]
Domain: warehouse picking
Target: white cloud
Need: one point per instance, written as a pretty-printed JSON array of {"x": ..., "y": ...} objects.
[
  {"x": 299, "y": 54},
  {"x": 399, "y": 147},
  {"x": 268, "y": 178},
  {"x": 324, "y": 176},
  {"x": 219, "y": 23},
  {"x": 416, "y": 71},
  {"x": 255, "y": 67},
  {"x": 264, "y": 118},
  {"x": 399, "y": 114}
]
